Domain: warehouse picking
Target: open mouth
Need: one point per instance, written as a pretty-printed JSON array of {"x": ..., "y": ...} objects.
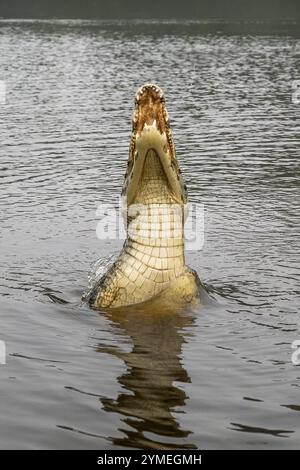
[{"x": 151, "y": 131}]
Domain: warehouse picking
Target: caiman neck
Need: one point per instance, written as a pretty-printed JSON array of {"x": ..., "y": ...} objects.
[
  {"x": 155, "y": 221},
  {"x": 156, "y": 241}
]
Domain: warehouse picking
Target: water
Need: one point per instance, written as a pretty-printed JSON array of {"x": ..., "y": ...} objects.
[{"x": 219, "y": 377}]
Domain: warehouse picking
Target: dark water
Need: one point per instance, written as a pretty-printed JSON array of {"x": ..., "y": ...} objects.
[{"x": 219, "y": 377}]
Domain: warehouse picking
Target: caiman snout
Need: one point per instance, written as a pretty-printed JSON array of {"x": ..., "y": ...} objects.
[
  {"x": 149, "y": 92},
  {"x": 150, "y": 107}
]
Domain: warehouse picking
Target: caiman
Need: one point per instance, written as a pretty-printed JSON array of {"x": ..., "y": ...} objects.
[{"x": 151, "y": 266}]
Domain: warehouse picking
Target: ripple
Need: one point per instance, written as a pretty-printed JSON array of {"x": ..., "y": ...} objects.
[
  {"x": 65, "y": 132},
  {"x": 253, "y": 429}
]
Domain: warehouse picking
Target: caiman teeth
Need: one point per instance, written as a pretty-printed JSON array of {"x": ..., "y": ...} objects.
[
  {"x": 135, "y": 117},
  {"x": 166, "y": 116},
  {"x": 149, "y": 86}
]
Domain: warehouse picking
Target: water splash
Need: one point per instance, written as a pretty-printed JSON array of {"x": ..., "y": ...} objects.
[{"x": 97, "y": 270}]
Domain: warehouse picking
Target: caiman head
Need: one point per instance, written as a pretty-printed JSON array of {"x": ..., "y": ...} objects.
[{"x": 153, "y": 173}]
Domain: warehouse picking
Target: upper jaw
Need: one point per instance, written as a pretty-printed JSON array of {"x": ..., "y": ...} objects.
[{"x": 150, "y": 106}]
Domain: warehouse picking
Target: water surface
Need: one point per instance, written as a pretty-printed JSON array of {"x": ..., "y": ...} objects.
[{"x": 217, "y": 377}]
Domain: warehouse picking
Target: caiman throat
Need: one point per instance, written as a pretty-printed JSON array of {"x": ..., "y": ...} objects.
[{"x": 151, "y": 266}]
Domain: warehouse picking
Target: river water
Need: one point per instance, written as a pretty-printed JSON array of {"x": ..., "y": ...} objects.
[{"x": 220, "y": 376}]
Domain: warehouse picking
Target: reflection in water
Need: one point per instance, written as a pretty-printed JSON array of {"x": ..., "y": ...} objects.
[{"x": 149, "y": 396}]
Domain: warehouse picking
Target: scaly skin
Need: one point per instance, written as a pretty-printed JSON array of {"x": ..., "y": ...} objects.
[{"x": 151, "y": 266}]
